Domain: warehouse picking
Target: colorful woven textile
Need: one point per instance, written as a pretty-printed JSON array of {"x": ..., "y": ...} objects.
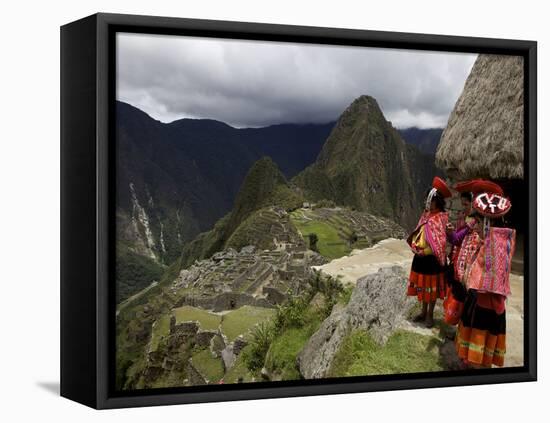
[
  {"x": 466, "y": 253},
  {"x": 481, "y": 334},
  {"x": 427, "y": 279},
  {"x": 435, "y": 224},
  {"x": 479, "y": 346},
  {"x": 427, "y": 288},
  {"x": 490, "y": 269}
]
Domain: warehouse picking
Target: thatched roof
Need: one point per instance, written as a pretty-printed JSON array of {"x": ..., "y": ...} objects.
[{"x": 484, "y": 135}]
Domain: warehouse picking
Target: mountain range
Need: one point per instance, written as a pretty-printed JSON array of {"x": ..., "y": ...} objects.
[
  {"x": 183, "y": 186},
  {"x": 176, "y": 180},
  {"x": 426, "y": 140}
]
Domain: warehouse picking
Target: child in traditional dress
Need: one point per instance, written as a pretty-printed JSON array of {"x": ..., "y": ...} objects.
[
  {"x": 428, "y": 243},
  {"x": 485, "y": 274}
]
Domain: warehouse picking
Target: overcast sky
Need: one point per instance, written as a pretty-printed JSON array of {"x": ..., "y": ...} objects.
[{"x": 252, "y": 84}]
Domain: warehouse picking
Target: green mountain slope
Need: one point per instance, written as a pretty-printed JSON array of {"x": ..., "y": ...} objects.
[
  {"x": 263, "y": 186},
  {"x": 366, "y": 165},
  {"x": 177, "y": 180}
]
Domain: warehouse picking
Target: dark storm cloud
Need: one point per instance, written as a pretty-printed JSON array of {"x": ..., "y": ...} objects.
[{"x": 247, "y": 83}]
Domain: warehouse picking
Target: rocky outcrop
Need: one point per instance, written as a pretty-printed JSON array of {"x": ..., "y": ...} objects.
[
  {"x": 231, "y": 351},
  {"x": 378, "y": 304},
  {"x": 387, "y": 253}
]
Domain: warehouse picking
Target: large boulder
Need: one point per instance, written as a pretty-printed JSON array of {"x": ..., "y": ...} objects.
[{"x": 378, "y": 304}]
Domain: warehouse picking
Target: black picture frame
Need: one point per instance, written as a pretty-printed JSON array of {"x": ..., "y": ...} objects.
[{"x": 87, "y": 207}]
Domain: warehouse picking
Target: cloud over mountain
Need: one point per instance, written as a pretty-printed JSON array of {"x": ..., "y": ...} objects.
[{"x": 251, "y": 83}]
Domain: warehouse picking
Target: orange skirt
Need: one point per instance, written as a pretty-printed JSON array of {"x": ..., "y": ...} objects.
[
  {"x": 427, "y": 279},
  {"x": 427, "y": 288},
  {"x": 477, "y": 346}
]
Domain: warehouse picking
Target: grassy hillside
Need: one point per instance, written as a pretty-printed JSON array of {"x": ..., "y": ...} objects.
[
  {"x": 405, "y": 352},
  {"x": 341, "y": 230},
  {"x": 329, "y": 243},
  {"x": 263, "y": 186},
  {"x": 134, "y": 272}
]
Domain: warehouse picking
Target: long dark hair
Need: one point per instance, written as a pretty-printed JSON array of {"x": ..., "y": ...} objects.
[
  {"x": 467, "y": 196},
  {"x": 439, "y": 200}
]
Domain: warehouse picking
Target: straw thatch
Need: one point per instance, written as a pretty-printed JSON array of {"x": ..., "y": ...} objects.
[{"x": 484, "y": 135}]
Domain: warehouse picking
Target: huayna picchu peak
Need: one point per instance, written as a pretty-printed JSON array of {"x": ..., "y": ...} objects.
[{"x": 365, "y": 164}]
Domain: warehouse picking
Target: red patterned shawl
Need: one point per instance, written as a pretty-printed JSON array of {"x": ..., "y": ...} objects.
[
  {"x": 490, "y": 269},
  {"x": 435, "y": 232},
  {"x": 466, "y": 253}
]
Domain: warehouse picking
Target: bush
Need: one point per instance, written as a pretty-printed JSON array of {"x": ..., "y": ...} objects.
[
  {"x": 313, "y": 238},
  {"x": 293, "y": 317},
  {"x": 254, "y": 355},
  {"x": 291, "y": 313},
  {"x": 331, "y": 288},
  {"x": 345, "y": 295}
]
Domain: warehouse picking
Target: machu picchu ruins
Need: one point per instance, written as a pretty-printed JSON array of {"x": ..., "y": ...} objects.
[{"x": 202, "y": 318}]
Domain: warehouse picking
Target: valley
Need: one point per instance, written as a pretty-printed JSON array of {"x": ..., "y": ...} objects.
[{"x": 285, "y": 280}]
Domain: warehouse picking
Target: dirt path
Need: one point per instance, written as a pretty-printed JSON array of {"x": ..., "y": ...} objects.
[
  {"x": 134, "y": 297},
  {"x": 514, "y": 323},
  {"x": 396, "y": 252},
  {"x": 389, "y": 252}
]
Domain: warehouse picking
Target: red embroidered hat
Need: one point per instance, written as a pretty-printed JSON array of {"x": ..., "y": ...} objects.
[
  {"x": 491, "y": 205},
  {"x": 479, "y": 185},
  {"x": 440, "y": 185}
]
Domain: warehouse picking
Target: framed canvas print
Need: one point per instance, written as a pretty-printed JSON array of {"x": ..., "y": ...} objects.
[{"x": 254, "y": 211}]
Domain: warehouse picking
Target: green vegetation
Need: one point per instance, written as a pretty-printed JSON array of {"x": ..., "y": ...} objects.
[
  {"x": 133, "y": 327},
  {"x": 316, "y": 185},
  {"x": 261, "y": 339},
  {"x": 282, "y": 353},
  {"x": 134, "y": 272},
  {"x": 333, "y": 292},
  {"x": 240, "y": 321},
  {"x": 161, "y": 329},
  {"x": 256, "y": 230},
  {"x": 277, "y": 343},
  {"x": 335, "y": 232},
  {"x": 345, "y": 295},
  {"x": 207, "y": 320},
  {"x": 205, "y": 244},
  {"x": 210, "y": 367},
  {"x": 313, "y": 239},
  {"x": 364, "y": 164},
  {"x": 293, "y": 313},
  {"x": 329, "y": 244},
  {"x": 405, "y": 352},
  {"x": 217, "y": 343},
  {"x": 239, "y": 371},
  {"x": 263, "y": 186}
]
